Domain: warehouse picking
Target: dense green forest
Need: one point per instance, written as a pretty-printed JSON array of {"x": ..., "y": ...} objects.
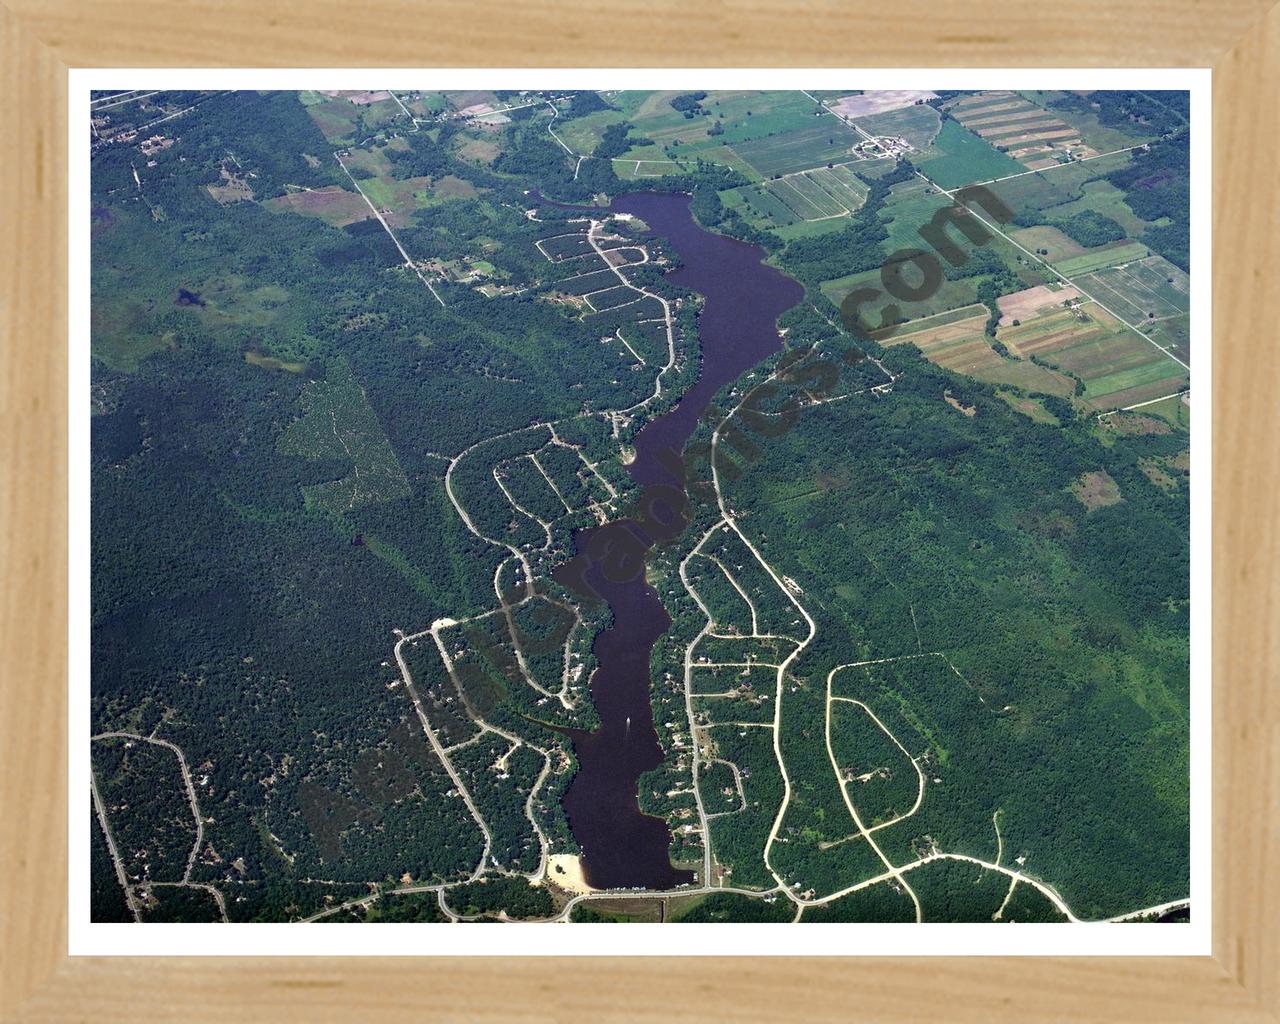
[
  {"x": 1158, "y": 186},
  {"x": 1066, "y": 627}
]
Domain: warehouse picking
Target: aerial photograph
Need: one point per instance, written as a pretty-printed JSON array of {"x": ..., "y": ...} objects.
[{"x": 639, "y": 506}]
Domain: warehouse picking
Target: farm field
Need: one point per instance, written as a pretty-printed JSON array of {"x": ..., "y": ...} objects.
[
  {"x": 910, "y": 207},
  {"x": 1175, "y": 411},
  {"x": 343, "y": 120},
  {"x": 1024, "y": 304},
  {"x": 918, "y": 125},
  {"x": 1099, "y": 136},
  {"x": 825, "y": 142},
  {"x": 631, "y": 170},
  {"x": 878, "y": 101},
  {"x": 583, "y": 134},
  {"x": 959, "y": 157},
  {"x": 1117, "y": 366},
  {"x": 1047, "y": 242},
  {"x": 422, "y": 104},
  {"x": 1109, "y": 255},
  {"x": 743, "y": 123},
  {"x": 1051, "y": 188},
  {"x": 1172, "y": 333},
  {"x": 398, "y": 198},
  {"x": 464, "y": 100},
  {"x": 1148, "y": 289},
  {"x": 1028, "y": 133},
  {"x": 808, "y": 196},
  {"x": 950, "y": 295},
  {"x": 962, "y": 346}
]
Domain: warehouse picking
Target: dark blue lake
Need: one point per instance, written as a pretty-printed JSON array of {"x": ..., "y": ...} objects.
[{"x": 737, "y": 328}]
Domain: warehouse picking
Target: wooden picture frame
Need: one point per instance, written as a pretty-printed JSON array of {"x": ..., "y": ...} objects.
[{"x": 41, "y": 39}]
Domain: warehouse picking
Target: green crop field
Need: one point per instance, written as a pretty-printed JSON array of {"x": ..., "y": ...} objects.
[
  {"x": 1173, "y": 333},
  {"x": 842, "y": 182},
  {"x": 818, "y": 197},
  {"x": 826, "y": 141},
  {"x": 1136, "y": 293},
  {"x": 949, "y": 295},
  {"x": 1104, "y": 256},
  {"x": 958, "y": 157}
]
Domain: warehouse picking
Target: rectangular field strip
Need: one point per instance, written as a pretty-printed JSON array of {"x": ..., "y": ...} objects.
[
  {"x": 1097, "y": 259},
  {"x": 795, "y": 200},
  {"x": 827, "y": 141},
  {"x": 845, "y": 175},
  {"x": 821, "y": 200}
]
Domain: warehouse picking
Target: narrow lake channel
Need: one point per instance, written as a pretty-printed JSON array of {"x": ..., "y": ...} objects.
[{"x": 737, "y": 328}]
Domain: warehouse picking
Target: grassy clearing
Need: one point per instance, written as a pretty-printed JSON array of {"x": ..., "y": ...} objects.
[
  {"x": 1104, "y": 198},
  {"x": 336, "y": 119},
  {"x": 122, "y": 333},
  {"x": 373, "y": 160},
  {"x": 1175, "y": 411},
  {"x": 809, "y": 228},
  {"x": 271, "y": 363},
  {"x": 1029, "y": 407},
  {"x": 398, "y": 198},
  {"x": 1096, "y": 490},
  {"x": 634, "y": 170},
  {"x": 331, "y": 204},
  {"x": 583, "y": 134},
  {"x": 476, "y": 150},
  {"x": 1048, "y": 242},
  {"x": 338, "y": 423}
]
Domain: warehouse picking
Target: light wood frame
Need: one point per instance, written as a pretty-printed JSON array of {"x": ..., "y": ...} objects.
[{"x": 41, "y": 39}]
